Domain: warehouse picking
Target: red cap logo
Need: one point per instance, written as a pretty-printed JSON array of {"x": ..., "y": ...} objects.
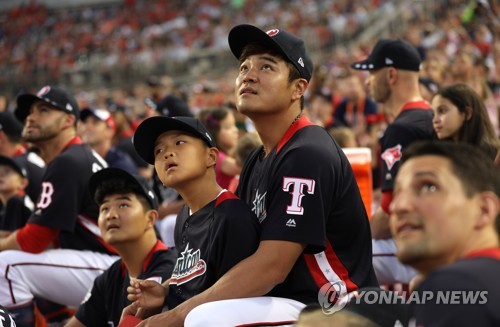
[
  {"x": 273, "y": 32},
  {"x": 44, "y": 90}
]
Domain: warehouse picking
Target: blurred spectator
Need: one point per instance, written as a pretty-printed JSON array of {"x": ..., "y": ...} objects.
[
  {"x": 15, "y": 207},
  {"x": 460, "y": 116},
  {"x": 98, "y": 129},
  {"x": 221, "y": 124},
  {"x": 11, "y": 145}
]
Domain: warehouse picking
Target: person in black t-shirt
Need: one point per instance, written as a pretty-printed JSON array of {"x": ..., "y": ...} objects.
[
  {"x": 127, "y": 215},
  {"x": 445, "y": 222}
]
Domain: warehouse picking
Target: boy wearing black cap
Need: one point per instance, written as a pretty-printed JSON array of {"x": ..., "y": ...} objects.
[
  {"x": 15, "y": 207},
  {"x": 127, "y": 214},
  {"x": 315, "y": 230},
  {"x": 215, "y": 229},
  {"x": 61, "y": 240},
  {"x": 393, "y": 67}
]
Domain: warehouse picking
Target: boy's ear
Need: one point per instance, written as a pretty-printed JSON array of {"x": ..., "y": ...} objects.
[
  {"x": 24, "y": 183},
  {"x": 152, "y": 217},
  {"x": 213, "y": 154}
]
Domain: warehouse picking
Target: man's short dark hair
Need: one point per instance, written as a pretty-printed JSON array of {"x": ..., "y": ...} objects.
[
  {"x": 471, "y": 165},
  {"x": 120, "y": 186}
]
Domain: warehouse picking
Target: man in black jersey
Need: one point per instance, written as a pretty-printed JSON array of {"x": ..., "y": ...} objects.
[
  {"x": 59, "y": 252},
  {"x": 315, "y": 231},
  {"x": 445, "y": 221},
  {"x": 127, "y": 214}
]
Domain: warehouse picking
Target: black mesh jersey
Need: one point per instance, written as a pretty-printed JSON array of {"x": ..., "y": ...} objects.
[
  {"x": 465, "y": 293},
  {"x": 103, "y": 305},
  {"x": 209, "y": 243},
  {"x": 414, "y": 123},
  {"x": 65, "y": 201},
  {"x": 304, "y": 191}
]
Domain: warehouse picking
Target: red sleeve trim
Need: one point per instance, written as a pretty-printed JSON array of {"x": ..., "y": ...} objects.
[
  {"x": 386, "y": 201},
  {"x": 35, "y": 238}
]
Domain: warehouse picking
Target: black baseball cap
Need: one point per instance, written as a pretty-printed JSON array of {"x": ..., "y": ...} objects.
[
  {"x": 289, "y": 45},
  {"x": 10, "y": 125},
  {"x": 52, "y": 95},
  {"x": 15, "y": 164},
  {"x": 151, "y": 128},
  {"x": 395, "y": 53},
  {"x": 173, "y": 106},
  {"x": 107, "y": 174}
]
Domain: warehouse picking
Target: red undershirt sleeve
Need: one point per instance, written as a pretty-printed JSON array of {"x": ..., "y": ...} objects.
[
  {"x": 35, "y": 238},
  {"x": 386, "y": 201}
]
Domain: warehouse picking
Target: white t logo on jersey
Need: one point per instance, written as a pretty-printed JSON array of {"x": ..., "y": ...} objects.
[
  {"x": 46, "y": 195},
  {"x": 297, "y": 186}
]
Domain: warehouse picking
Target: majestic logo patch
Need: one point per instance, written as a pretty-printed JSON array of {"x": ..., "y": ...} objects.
[
  {"x": 188, "y": 266},
  {"x": 295, "y": 186},
  {"x": 391, "y": 156},
  {"x": 273, "y": 32}
]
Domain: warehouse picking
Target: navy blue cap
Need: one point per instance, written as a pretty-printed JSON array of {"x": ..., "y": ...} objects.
[
  {"x": 115, "y": 173},
  {"x": 151, "y": 128},
  {"x": 395, "y": 53},
  {"x": 52, "y": 95},
  {"x": 15, "y": 164},
  {"x": 289, "y": 45},
  {"x": 10, "y": 125}
]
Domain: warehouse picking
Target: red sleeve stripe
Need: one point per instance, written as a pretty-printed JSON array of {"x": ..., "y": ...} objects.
[{"x": 326, "y": 268}]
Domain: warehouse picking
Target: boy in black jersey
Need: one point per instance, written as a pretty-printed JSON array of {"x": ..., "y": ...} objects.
[
  {"x": 127, "y": 214},
  {"x": 215, "y": 229}
]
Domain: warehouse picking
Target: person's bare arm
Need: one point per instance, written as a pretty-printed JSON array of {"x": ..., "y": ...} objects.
[
  {"x": 9, "y": 242},
  {"x": 254, "y": 276},
  {"x": 229, "y": 166},
  {"x": 73, "y": 322},
  {"x": 379, "y": 225}
]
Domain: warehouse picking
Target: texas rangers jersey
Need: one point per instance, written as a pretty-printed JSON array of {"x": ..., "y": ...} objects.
[
  {"x": 413, "y": 123},
  {"x": 65, "y": 201},
  {"x": 465, "y": 293},
  {"x": 209, "y": 243},
  {"x": 304, "y": 191},
  {"x": 103, "y": 305}
]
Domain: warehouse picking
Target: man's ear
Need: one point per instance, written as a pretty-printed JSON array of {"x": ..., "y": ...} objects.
[
  {"x": 212, "y": 155},
  {"x": 489, "y": 205},
  {"x": 300, "y": 88},
  {"x": 69, "y": 121}
]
